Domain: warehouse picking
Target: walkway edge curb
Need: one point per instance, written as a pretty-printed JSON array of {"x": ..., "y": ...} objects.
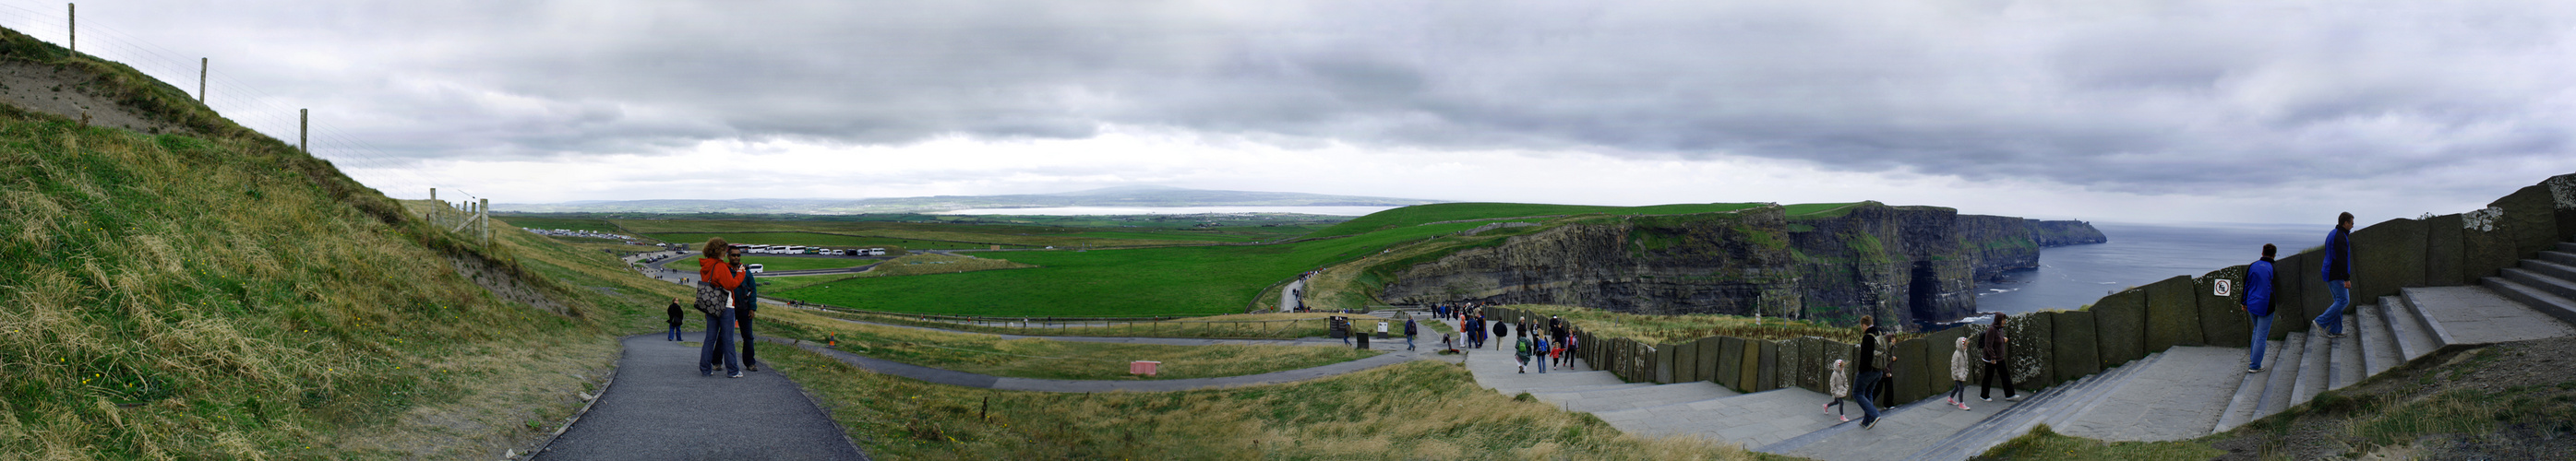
[{"x": 613, "y": 370}]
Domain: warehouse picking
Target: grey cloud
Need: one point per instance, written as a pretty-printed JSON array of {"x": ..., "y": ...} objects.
[{"x": 2137, "y": 96}]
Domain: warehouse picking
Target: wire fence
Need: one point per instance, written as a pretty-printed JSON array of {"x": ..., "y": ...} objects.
[
  {"x": 1156, "y": 326},
  {"x": 277, "y": 116}
]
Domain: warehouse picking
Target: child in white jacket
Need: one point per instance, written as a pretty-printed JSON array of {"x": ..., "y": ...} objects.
[
  {"x": 1840, "y": 385},
  {"x": 1959, "y": 374}
]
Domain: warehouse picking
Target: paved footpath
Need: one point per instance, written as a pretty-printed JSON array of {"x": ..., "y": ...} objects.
[
  {"x": 2180, "y": 396},
  {"x": 658, "y": 407}
]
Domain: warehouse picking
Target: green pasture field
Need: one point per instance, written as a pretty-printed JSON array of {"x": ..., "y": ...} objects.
[
  {"x": 775, "y": 263},
  {"x": 893, "y": 246},
  {"x": 1418, "y": 214},
  {"x": 1146, "y": 281},
  {"x": 1169, "y": 235},
  {"x": 536, "y": 222}
]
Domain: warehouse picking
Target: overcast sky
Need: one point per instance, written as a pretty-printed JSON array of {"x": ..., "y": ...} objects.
[{"x": 2108, "y": 110}]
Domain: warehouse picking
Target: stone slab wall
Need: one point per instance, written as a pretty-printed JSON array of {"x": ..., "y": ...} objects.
[
  {"x": 2388, "y": 256},
  {"x": 1748, "y": 371},
  {"x": 2173, "y": 316},
  {"x": 2223, "y": 320},
  {"x": 2076, "y": 356},
  {"x": 2034, "y": 353},
  {"x": 2116, "y": 326},
  {"x": 1769, "y": 367},
  {"x": 2445, "y": 263}
]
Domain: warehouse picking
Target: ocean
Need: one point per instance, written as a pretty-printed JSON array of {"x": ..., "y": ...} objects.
[{"x": 2137, "y": 254}]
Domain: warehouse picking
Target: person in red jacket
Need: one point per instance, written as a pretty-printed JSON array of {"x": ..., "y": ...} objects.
[{"x": 725, "y": 275}]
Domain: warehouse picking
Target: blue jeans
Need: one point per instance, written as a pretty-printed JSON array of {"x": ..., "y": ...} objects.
[
  {"x": 1408, "y": 342},
  {"x": 1864, "y": 389},
  {"x": 2262, "y": 331},
  {"x": 675, "y": 333},
  {"x": 718, "y": 342},
  {"x": 2332, "y": 320}
]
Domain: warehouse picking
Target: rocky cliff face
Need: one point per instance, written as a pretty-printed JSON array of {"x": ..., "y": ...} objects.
[{"x": 1900, "y": 263}]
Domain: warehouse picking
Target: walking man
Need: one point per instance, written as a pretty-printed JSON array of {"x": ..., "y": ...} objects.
[
  {"x": 2258, "y": 303},
  {"x": 1408, "y": 334},
  {"x": 1867, "y": 383},
  {"x": 746, "y": 301},
  {"x": 1997, "y": 357},
  {"x": 674, "y": 313},
  {"x": 2338, "y": 275}
]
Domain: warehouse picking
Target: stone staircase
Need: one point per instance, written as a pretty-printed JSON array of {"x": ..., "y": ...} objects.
[{"x": 2180, "y": 393}]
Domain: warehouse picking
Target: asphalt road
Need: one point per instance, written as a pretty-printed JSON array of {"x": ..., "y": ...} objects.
[{"x": 660, "y": 408}]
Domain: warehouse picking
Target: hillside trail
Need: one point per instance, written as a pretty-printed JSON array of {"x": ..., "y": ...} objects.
[
  {"x": 659, "y": 407},
  {"x": 1393, "y": 352}
]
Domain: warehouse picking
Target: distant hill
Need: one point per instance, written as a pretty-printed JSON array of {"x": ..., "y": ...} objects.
[{"x": 1123, "y": 196}]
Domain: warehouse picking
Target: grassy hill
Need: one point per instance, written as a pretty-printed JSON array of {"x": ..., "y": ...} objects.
[{"x": 209, "y": 292}]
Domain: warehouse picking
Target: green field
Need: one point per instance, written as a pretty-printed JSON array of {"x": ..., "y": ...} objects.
[
  {"x": 534, "y": 222},
  {"x": 1147, "y": 281},
  {"x": 775, "y": 263},
  {"x": 1418, "y": 214},
  {"x": 892, "y": 246}
]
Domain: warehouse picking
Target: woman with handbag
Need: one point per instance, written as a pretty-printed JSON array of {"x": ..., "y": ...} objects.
[{"x": 717, "y": 279}]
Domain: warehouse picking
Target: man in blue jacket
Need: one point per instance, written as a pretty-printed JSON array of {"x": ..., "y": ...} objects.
[
  {"x": 746, "y": 300},
  {"x": 2258, "y": 303},
  {"x": 2338, "y": 275}
]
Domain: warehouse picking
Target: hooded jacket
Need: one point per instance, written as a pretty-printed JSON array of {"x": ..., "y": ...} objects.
[{"x": 1959, "y": 369}]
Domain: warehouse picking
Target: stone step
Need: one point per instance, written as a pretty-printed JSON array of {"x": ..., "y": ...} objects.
[
  {"x": 2093, "y": 397},
  {"x": 2564, "y": 288},
  {"x": 2554, "y": 270},
  {"x": 2563, "y": 256},
  {"x": 2567, "y": 247},
  {"x": 2537, "y": 299},
  {"x": 1999, "y": 427},
  {"x": 2412, "y": 340},
  {"x": 2282, "y": 387},
  {"x": 1755, "y": 419},
  {"x": 1594, "y": 401},
  {"x": 2378, "y": 343},
  {"x": 2415, "y": 299},
  {"x": 2315, "y": 362},
  {"x": 1593, "y": 387},
  {"x": 2349, "y": 365},
  {"x": 2249, "y": 393},
  {"x": 2053, "y": 406}
]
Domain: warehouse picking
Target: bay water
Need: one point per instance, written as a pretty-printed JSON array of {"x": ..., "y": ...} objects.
[{"x": 2137, "y": 254}]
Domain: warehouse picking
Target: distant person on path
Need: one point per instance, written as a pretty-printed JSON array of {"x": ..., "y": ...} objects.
[
  {"x": 1998, "y": 356},
  {"x": 1959, "y": 374},
  {"x": 2338, "y": 275},
  {"x": 2258, "y": 303},
  {"x": 724, "y": 277},
  {"x": 1408, "y": 334},
  {"x": 1522, "y": 348},
  {"x": 1571, "y": 340},
  {"x": 746, "y": 301},
  {"x": 674, "y": 313},
  {"x": 1840, "y": 388},
  {"x": 1502, "y": 330},
  {"x": 1873, "y": 358},
  {"x": 1539, "y": 347}
]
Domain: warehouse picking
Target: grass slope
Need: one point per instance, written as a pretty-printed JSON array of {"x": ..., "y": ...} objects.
[
  {"x": 218, "y": 294},
  {"x": 1050, "y": 359},
  {"x": 1419, "y": 410}
]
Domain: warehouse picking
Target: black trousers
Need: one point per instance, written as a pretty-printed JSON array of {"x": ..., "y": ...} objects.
[
  {"x": 1986, "y": 381},
  {"x": 747, "y": 341}
]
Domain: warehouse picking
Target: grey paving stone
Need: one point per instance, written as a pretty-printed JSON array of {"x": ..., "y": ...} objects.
[{"x": 2477, "y": 315}]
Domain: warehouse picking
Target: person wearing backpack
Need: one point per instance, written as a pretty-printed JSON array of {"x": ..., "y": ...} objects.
[
  {"x": 717, "y": 279},
  {"x": 1538, "y": 347},
  {"x": 1408, "y": 334},
  {"x": 1523, "y": 346}
]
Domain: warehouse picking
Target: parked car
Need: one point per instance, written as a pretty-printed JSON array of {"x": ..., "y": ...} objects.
[{"x": 755, "y": 268}]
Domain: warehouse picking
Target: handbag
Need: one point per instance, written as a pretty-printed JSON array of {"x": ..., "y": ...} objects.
[{"x": 712, "y": 299}]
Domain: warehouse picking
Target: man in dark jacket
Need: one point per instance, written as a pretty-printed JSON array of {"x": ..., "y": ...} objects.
[
  {"x": 2258, "y": 303},
  {"x": 675, "y": 320},
  {"x": 1408, "y": 334},
  {"x": 1998, "y": 361},
  {"x": 2338, "y": 274},
  {"x": 1866, "y": 383},
  {"x": 746, "y": 299}
]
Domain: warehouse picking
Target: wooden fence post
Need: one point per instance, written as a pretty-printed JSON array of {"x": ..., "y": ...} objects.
[
  {"x": 71, "y": 27},
  {"x": 201, "y": 81},
  {"x": 303, "y": 130}
]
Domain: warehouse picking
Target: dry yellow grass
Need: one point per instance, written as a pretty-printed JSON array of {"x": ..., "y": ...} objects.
[
  {"x": 1419, "y": 410},
  {"x": 1051, "y": 359}
]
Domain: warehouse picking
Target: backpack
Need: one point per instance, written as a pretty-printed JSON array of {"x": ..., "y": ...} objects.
[{"x": 712, "y": 299}]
